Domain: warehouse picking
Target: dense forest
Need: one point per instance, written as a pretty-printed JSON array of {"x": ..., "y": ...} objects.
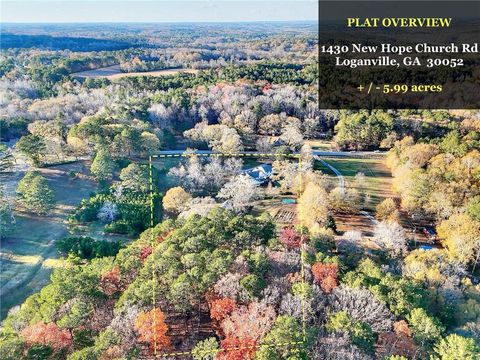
[{"x": 340, "y": 235}]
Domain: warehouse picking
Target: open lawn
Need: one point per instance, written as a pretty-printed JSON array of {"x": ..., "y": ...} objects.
[
  {"x": 377, "y": 184},
  {"x": 377, "y": 176},
  {"x": 29, "y": 254},
  {"x": 323, "y": 145}
]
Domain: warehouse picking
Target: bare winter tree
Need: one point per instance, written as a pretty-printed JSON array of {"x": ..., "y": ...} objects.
[
  {"x": 229, "y": 286},
  {"x": 124, "y": 325},
  {"x": 252, "y": 321},
  {"x": 307, "y": 158},
  {"x": 312, "y": 306},
  {"x": 108, "y": 212},
  {"x": 199, "y": 205},
  {"x": 264, "y": 145},
  {"x": 350, "y": 242},
  {"x": 283, "y": 262},
  {"x": 73, "y": 107},
  {"x": 166, "y": 117},
  {"x": 273, "y": 293},
  {"x": 196, "y": 176},
  {"x": 220, "y": 138},
  {"x": 294, "y": 306},
  {"x": 215, "y": 173},
  {"x": 161, "y": 116},
  {"x": 190, "y": 175},
  {"x": 391, "y": 237},
  {"x": 361, "y": 305},
  {"x": 285, "y": 172},
  {"x": 335, "y": 347},
  {"x": 239, "y": 193},
  {"x": 311, "y": 127},
  {"x": 292, "y": 136}
]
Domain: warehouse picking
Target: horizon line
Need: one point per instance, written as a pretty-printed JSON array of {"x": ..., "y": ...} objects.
[{"x": 157, "y": 22}]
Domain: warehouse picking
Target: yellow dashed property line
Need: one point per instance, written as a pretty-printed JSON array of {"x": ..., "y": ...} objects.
[
  {"x": 152, "y": 224},
  {"x": 302, "y": 265}
]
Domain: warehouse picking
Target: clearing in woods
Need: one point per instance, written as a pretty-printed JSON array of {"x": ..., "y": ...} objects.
[
  {"x": 378, "y": 183},
  {"x": 28, "y": 257},
  {"x": 378, "y": 178}
]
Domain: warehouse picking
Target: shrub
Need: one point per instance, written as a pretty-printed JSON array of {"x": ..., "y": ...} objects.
[
  {"x": 361, "y": 333},
  {"x": 206, "y": 349},
  {"x": 88, "y": 209},
  {"x": 87, "y": 248},
  {"x": 39, "y": 352},
  {"x": 253, "y": 284},
  {"x": 119, "y": 227}
]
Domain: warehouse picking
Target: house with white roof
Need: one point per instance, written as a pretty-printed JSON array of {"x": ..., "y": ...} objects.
[{"x": 260, "y": 174}]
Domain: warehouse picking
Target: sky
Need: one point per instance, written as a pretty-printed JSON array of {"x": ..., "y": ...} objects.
[{"x": 79, "y": 11}]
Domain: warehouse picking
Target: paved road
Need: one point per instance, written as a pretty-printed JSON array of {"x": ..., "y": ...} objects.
[
  {"x": 351, "y": 154},
  {"x": 345, "y": 154}
]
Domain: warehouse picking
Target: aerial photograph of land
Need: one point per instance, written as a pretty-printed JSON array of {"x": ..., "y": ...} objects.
[{"x": 171, "y": 189}]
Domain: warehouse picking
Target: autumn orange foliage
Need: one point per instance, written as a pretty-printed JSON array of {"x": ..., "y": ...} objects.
[
  {"x": 237, "y": 349},
  {"x": 326, "y": 276},
  {"x": 401, "y": 328},
  {"x": 220, "y": 308},
  {"x": 47, "y": 334},
  {"x": 161, "y": 238},
  {"x": 153, "y": 330}
]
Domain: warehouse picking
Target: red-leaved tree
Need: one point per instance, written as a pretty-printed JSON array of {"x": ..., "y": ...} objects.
[
  {"x": 290, "y": 238},
  {"x": 145, "y": 252},
  {"x": 221, "y": 308},
  {"x": 110, "y": 282},
  {"x": 234, "y": 348},
  {"x": 153, "y": 330},
  {"x": 47, "y": 334},
  {"x": 326, "y": 275}
]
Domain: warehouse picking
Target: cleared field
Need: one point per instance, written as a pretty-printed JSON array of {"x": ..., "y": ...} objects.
[
  {"x": 323, "y": 145},
  {"x": 378, "y": 177},
  {"x": 28, "y": 256},
  {"x": 113, "y": 72}
]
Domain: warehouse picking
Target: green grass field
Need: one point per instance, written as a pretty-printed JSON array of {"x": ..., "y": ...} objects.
[
  {"x": 325, "y": 145},
  {"x": 29, "y": 254},
  {"x": 377, "y": 176}
]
